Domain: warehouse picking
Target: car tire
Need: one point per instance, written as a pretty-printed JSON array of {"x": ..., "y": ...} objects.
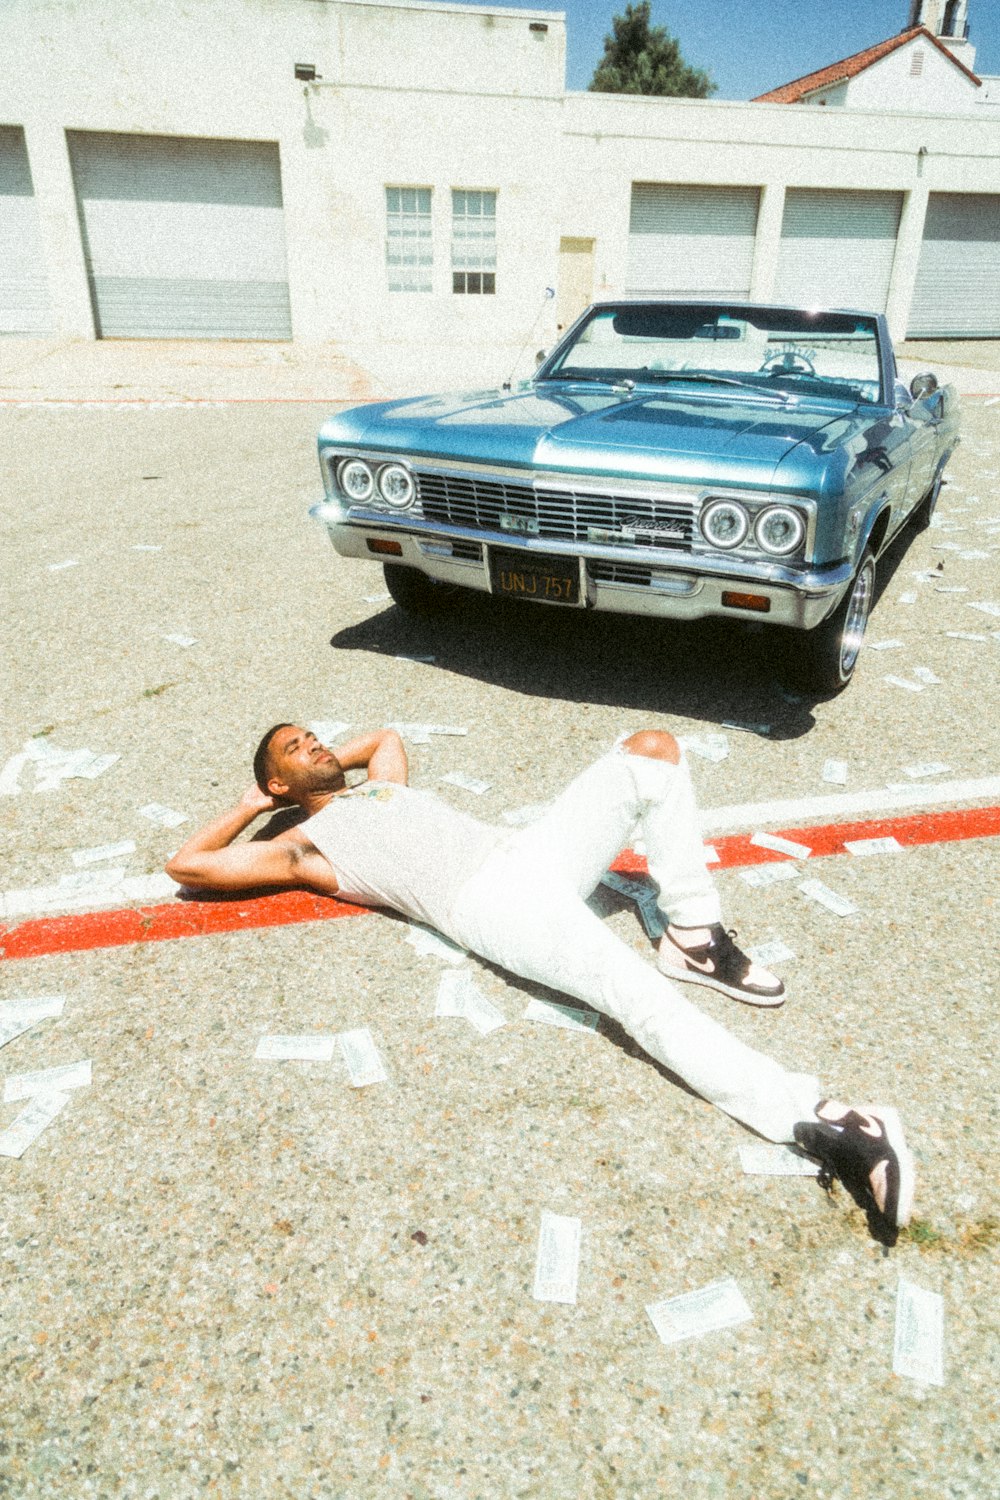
[
  {"x": 417, "y": 595},
  {"x": 823, "y": 660},
  {"x": 924, "y": 511}
]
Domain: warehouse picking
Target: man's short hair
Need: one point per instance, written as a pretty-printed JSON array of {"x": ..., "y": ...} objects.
[{"x": 262, "y": 759}]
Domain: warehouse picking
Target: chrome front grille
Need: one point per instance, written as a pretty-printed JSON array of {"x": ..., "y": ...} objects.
[{"x": 558, "y": 512}]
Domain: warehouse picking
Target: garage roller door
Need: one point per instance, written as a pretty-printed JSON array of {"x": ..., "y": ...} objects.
[
  {"x": 692, "y": 241},
  {"x": 24, "y": 293},
  {"x": 837, "y": 248},
  {"x": 183, "y": 238},
  {"x": 957, "y": 291}
]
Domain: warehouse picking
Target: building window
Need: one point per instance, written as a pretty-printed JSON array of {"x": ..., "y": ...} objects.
[
  {"x": 917, "y": 63},
  {"x": 473, "y": 241},
  {"x": 409, "y": 253}
]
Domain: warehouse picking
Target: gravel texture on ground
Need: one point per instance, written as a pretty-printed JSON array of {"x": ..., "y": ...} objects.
[{"x": 245, "y": 1278}]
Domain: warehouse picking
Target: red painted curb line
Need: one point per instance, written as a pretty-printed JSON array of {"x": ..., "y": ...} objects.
[{"x": 199, "y": 918}]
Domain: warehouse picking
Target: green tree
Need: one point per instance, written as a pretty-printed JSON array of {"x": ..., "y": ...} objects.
[{"x": 643, "y": 59}]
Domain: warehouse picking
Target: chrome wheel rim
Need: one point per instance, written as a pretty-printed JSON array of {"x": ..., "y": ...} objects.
[{"x": 857, "y": 619}]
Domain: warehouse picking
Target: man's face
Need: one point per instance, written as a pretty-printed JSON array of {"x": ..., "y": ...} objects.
[{"x": 300, "y": 764}]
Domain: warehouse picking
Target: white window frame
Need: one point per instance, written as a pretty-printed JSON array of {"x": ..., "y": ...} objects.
[
  {"x": 409, "y": 238},
  {"x": 473, "y": 255}
]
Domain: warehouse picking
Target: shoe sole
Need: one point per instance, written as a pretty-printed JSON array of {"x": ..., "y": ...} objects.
[
  {"x": 687, "y": 976},
  {"x": 904, "y": 1160}
]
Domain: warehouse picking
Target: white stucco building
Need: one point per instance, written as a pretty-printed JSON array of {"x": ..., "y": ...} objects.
[{"x": 395, "y": 173}]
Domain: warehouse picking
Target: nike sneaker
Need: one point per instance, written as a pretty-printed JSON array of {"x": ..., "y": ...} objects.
[
  {"x": 722, "y": 966},
  {"x": 866, "y": 1149}
]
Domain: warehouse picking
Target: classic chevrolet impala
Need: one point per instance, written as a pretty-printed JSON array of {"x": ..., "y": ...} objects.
[{"x": 669, "y": 458}]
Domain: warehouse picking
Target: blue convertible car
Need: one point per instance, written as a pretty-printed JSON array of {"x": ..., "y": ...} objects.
[{"x": 669, "y": 458}]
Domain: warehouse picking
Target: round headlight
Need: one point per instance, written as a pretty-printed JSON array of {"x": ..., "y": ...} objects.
[
  {"x": 779, "y": 530},
  {"x": 395, "y": 485},
  {"x": 356, "y": 480},
  {"x": 724, "y": 523}
]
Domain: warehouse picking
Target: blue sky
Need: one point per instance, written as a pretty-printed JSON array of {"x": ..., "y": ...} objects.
[{"x": 749, "y": 48}]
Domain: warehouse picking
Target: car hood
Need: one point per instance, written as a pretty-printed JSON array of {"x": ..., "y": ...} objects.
[{"x": 686, "y": 436}]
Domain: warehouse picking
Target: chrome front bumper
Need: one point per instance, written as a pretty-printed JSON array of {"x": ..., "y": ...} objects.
[{"x": 628, "y": 580}]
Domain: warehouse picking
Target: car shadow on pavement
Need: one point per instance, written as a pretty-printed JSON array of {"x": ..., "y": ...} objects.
[{"x": 712, "y": 670}]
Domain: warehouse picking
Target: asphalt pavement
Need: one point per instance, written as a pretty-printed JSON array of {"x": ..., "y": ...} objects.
[{"x": 241, "y": 1277}]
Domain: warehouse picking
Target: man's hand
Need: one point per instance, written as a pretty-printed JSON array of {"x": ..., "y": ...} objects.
[{"x": 257, "y": 802}]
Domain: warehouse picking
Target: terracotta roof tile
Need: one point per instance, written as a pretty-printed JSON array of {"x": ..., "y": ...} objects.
[{"x": 850, "y": 67}]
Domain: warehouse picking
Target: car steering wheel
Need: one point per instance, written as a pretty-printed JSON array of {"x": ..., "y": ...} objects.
[{"x": 790, "y": 362}]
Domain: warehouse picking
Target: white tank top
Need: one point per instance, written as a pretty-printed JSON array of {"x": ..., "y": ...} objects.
[{"x": 390, "y": 845}]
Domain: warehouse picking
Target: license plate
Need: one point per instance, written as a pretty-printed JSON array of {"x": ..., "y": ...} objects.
[{"x": 544, "y": 580}]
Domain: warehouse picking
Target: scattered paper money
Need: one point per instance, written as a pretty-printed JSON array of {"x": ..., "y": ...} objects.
[
  {"x": 859, "y": 847},
  {"x": 565, "y": 1016},
  {"x": 71, "y": 562},
  {"x": 182, "y": 640},
  {"x": 950, "y": 588},
  {"x": 762, "y": 729},
  {"x": 832, "y": 900},
  {"x": 713, "y": 747},
  {"x": 413, "y": 656},
  {"x": 965, "y": 635},
  {"x": 781, "y": 846},
  {"x": 835, "y": 772},
  {"x": 909, "y": 597},
  {"x": 10, "y": 776},
  {"x": 296, "y": 1048},
  {"x": 721, "y": 1304},
  {"x": 432, "y": 945},
  {"x": 12, "y": 1027},
  {"x": 986, "y": 608},
  {"x": 32, "y": 1008},
  {"x": 763, "y": 875},
  {"x": 636, "y": 888},
  {"x": 93, "y": 856},
  {"x": 26, "y": 1127},
  {"x": 167, "y": 817},
  {"x": 328, "y": 731},
  {"x": 467, "y": 783},
  {"x": 361, "y": 1056},
  {"x": 92, "y": 880},
  {"x": 450, "y": 1000},
  {"x": 459, "y": 995},
  {"x": 924, "y": 674},
  {"x": 377, "y": 598},
  {"x": 770, "y": 1159},
  {"x": 892, "y": 645},
  {"x": 48, "y": 1081},
  {"x": 775, "y": 952},
  {"x": 711, "y": 854},
  {"x": 974, "y": 554},
  {"x": 926, "y": 768},
  {"x": 557, "y": 1262},
  {"x": 918, "y": 1346},
  {"x": 912, "y": 687},
  {"x": 146, "y": 547}
]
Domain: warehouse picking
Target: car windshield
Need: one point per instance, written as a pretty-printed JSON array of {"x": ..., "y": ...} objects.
[{"x": 762, "y": 349}]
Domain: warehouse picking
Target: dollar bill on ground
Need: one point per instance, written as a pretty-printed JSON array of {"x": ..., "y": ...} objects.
[
  {"x": 459, "y": 995},
  {"x": 832, "y": 900},
  {"x": 59, "y": 1080},
  {"x": 775, "y": 952},
  {"x": 861, "y": 847},
  {"x": 550, "y": 1013},
  {"x": 762, "y": 875},
  {"x": 720, "y": 1304},
  {"x": 327, "y": 731},
  {"x": 296, "y": 1048},
  {"x": 924, "y": 674},
  {"x": 892, "y": 645},
  {"x": 950, "y": 588},
  {"x": 926, "y": 768},
  {"x": 374, "y": 599},
  {"x": 985, "y": 607},
  {"x": 761, "y": 729},
  {"x": 361, "y": 1056},
  {"x": 432, "y": 945},
  {"x": 70, "y": 562},
  {"x": 911, "y": 687},
  {"x": 557, "y": 1262},
  {"x": 467, "y": 783},
  {"x": 19, "y": 1016},
  {"x": 635, "y": 888},
  {"x": 10, "y": 776},
  {"x": 98, "y": 852},
  {"x": 909, "y": 597},
  {"x": 26, "y": 1127},
  {"x": 918, "y": 1346},
  {"x": 965, "y": 635},
  {"x": 158, "y": 812},
  {"x": 713, "y": 747},
  {"x": 177, "y": 639},
  {"x": 781, "y": 846},
  {"x": 772, "y": 1159},
  {"x": 835, "y": 772}
]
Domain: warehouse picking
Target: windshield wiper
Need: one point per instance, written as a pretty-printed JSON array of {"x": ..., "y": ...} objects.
[{"x": 704, "y": 377}]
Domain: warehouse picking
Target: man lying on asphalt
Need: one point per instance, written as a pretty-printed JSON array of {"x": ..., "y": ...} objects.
[{"x": 518, "y": 898}]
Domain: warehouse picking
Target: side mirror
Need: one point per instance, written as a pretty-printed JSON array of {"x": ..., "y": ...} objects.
[
  {"x": 540, "y": 355},
  {"x": 923, "y": 385}
]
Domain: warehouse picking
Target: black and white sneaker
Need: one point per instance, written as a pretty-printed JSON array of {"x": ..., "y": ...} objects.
[
  {"x": 866, "y": 1149},
  {"x": 722, "y": 966}
]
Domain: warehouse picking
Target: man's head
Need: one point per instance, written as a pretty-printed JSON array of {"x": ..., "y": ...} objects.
[{"x": 292, "y": 766}]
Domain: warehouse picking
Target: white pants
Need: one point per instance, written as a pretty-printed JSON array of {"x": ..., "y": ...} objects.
[{"x": 525, "y": 909}]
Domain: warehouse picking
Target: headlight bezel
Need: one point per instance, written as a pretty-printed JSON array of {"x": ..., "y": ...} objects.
[
  {"x": 380, "y": 472},
  {"x": 755, "y": 504},
  {"x": 392, "y": 469},
  {"x": 352, "y": 461},
  {"x": 770, "y": 511},
  {"x": 719, "y": 503}
]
